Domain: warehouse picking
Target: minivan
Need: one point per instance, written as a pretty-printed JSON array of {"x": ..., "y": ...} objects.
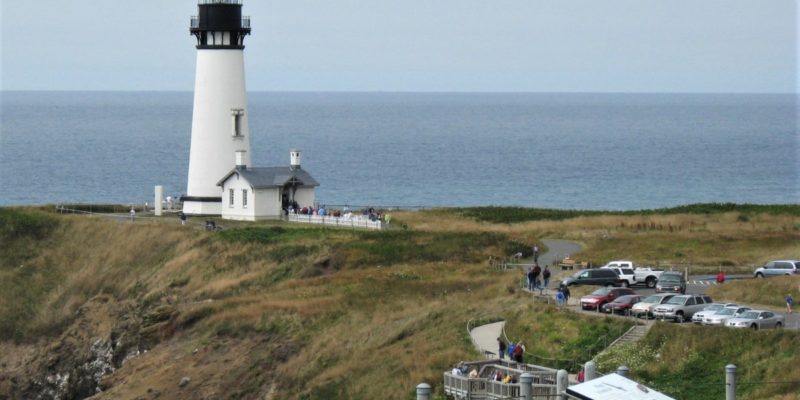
[
  {"x": 671, "y": 282},
  {"x": 602, "y": 277}
]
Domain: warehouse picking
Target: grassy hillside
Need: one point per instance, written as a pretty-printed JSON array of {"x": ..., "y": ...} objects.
[
  {"x": 275, "y": 311},
  {"x": 688, "y": 362},
  {"x": 734, "y": 240}
]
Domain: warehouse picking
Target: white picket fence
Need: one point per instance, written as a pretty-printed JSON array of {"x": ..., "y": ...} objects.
[{"x": 355, "y": 221}]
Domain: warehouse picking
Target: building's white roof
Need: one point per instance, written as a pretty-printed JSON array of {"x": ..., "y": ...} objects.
[{"x": 614, "y": 387}]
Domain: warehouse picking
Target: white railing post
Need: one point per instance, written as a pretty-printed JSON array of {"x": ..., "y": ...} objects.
[
  {"x": 562, "y": 382},
  {"x": 525, "y": 388},
  {"x": 423, "y": 391},
  {"x": 589, "y": 371},
  {"x": 730, "y": 382}
]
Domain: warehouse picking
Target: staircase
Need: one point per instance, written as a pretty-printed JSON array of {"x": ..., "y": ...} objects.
[{"x": 632, "y": 335}]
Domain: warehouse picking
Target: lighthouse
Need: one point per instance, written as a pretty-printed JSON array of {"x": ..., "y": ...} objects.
[{"x": 219, "y": 118}]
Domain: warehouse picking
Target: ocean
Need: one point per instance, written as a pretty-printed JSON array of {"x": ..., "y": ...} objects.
[{"x": 586, "y": 151}]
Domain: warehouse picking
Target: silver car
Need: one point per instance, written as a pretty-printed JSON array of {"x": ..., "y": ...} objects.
[
  {"x": 778, "y": 268},
  {"x": 724, "y": 315},
  {"x": 644, "y": 308},
  {"x": 757, "y": 319},
  {"x": 681, "y": 308},
  {"x": 710, "y": 310}
]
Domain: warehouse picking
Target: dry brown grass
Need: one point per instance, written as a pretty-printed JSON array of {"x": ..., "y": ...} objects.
[{"x": 346, "y": 332}]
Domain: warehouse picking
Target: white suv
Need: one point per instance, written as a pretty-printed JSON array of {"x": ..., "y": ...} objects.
[
  {"x": 681, "y": 308},
  {"x": 777, "y": 268}
]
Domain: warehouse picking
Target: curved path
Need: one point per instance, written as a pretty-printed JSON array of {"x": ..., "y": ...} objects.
[
  {"x": 557, "y": 249},
  {"x": 485, "y": 336}
]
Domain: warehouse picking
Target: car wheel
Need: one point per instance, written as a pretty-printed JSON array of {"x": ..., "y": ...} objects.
[
  {"x": 759, "y": 275},
  {"x": 754, "y": 327},
  {"x": 624, "y": 283},
  {"x": 679, "y": 318},
  {"x": 778, "y": 325},
  {"x": 651, "y": 282}
]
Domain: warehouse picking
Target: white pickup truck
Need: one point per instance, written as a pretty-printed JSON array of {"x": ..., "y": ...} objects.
[{"x": 634, "y": 275}]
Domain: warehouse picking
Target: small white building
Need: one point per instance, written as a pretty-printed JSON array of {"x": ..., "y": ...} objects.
[{"x": 250, "y": 194}]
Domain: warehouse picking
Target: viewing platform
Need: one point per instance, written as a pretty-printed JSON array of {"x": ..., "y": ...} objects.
[{"x": 544, "y": 384}]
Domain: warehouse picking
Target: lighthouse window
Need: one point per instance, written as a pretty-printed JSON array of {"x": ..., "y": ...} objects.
[
  {"x": 244, "y": 198},
  {"x": 237, "y": 114},
  {"x": 230, "y": 198}
]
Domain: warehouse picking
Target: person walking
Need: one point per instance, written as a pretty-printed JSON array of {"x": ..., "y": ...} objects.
[
  {"x": 720, "y": 277},
  {"x": 501, "y": 346},
  {"x": 789, "y": 302},
  {"x": 565, "y": 290},
  {"x": 535, "y": 253},
  {"x": 183, "y": 218},
  {"x": 536, "y": 271},
  {"x": 546, "y": 275},
  {"x": 531, "y": 279},
  {"x": 133, "y": 214}
]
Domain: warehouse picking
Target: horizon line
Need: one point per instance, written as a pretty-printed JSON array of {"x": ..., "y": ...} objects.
[{"x": 398, "y": 91}]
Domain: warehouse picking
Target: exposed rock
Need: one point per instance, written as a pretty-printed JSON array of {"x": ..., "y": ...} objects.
[{"x": 184, "y": 381}]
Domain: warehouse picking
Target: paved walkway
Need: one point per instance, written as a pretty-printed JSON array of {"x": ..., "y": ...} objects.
[
  {"x": 485, "y": 336},
  {"x": 556, "y": 250}
]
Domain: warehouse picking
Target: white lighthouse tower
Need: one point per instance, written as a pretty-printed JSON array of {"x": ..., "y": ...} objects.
[{"x": 219, "y": 121}]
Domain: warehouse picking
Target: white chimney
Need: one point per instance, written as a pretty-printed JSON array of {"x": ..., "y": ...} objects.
[
  {"x": 240, "y": 160},
  {"x": 294, "y": 158}
]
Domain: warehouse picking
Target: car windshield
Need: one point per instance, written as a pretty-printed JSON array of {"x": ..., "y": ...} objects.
[
  {"x": 670, "y": 280},
  {"x": 601, "y": 291},
  {"x": 677, "y": 300},
  {"x": 727, "y": 311},
  {"x": 652, "y": 299},
  {"x": 627, "y": 299},
  {"x": 749, "y": 315},
  {"x": 714, "y": 307}
]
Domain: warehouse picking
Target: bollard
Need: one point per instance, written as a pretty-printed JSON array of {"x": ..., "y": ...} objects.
[
  {"x": 623, "y": 371},
  {"x": 562, "y": 382},
  {"x": 589, "y": 371},
  {"x": 525, "y": 388},
  {"x": 730, "y": 382},
  {"x": 423, "y": 391},
  {"x": 158, "y": 198}
]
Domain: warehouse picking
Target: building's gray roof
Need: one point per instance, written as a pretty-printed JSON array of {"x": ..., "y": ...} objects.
[{"x": 268, "y": 177}]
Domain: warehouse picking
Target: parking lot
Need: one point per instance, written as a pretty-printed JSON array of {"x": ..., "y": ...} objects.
[{"x": 698, "y": 285}]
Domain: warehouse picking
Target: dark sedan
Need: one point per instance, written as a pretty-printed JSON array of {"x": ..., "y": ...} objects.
[
  {"x": 602, "y": 296},
  {"x": 622, "y": 305}
]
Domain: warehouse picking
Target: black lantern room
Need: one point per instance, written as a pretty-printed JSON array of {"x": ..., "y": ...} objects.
[{"x": 220, "y": 25}]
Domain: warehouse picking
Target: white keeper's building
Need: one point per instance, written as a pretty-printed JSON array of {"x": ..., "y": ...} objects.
[{"x": 250, "y": 194}]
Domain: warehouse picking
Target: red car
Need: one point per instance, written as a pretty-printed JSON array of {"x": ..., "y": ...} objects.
[
  {"x": 602, "y": 296},
  {"x": 622, "y": 304}
]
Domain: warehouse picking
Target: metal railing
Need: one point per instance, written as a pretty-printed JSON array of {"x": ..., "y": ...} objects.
[
  {"x": 204, "y": 2},
  {"x": 194, "y": 22},
  {"x": 355, "y": 221}
]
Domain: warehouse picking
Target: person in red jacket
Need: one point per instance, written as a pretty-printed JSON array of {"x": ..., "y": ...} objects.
[{"x": 721, "y": 277}]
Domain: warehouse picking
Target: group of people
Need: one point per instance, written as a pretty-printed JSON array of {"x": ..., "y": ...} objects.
[
  {"x": 533, "y": 277},
  {"x": 460, "y": 369},
  {"x": 293, "y": 208},
  {"x": 516, "y": 352}
]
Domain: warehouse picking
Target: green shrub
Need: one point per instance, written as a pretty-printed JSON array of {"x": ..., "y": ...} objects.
[{"x": 508, "y": 215}]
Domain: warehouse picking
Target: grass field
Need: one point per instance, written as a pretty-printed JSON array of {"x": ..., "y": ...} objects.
[{"x": 283, "y": 311}]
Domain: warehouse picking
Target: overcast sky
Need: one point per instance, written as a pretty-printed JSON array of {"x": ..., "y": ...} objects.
[{"x": 414, "y": 45}]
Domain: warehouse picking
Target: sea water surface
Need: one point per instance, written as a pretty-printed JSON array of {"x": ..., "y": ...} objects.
[{"x": 592, "y": 151}]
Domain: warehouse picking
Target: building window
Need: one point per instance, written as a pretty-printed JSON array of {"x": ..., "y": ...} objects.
[
  {"x": 230, "y": 198},
  {"x": 244, "y": 198},
  {"x": 237, "y": 114}
]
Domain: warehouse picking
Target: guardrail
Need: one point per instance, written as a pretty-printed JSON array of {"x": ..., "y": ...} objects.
[{"x": 355, "y": 221}]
